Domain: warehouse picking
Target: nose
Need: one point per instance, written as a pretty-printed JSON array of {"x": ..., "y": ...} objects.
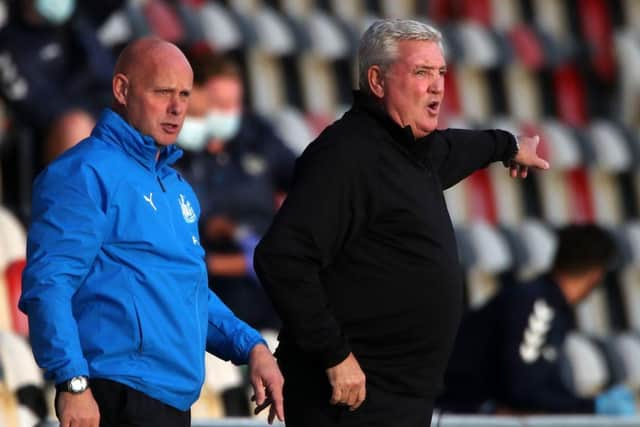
[
  {"x": 437, "y": 85},
  {"x": 177, "y": 105}
]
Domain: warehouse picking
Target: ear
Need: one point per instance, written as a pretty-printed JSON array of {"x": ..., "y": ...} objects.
[
  {"x": 120, "y": 87},
  {"x": 375, "y": 78}
]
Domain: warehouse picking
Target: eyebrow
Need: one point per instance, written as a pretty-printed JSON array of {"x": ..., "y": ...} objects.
[{"x": 430, "y": 67}]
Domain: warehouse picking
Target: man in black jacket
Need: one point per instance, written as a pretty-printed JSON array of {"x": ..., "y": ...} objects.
[{"x": 361, "y": 260}]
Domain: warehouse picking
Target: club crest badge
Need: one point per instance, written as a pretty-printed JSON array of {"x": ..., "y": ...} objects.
[{"x": 187, "y": 211}]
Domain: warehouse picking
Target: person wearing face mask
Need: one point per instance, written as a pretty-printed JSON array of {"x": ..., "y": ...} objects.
[
  {"x": 55, "y": 75},
  {"x": 240, "y": 170}
]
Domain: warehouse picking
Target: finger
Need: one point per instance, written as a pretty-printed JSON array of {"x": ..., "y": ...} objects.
[
  {"x": 513, "y": 171},
  {"x": 258, "y": 390},
  {"x": 362, "y": 395},
  {"x": 278, "y": 401},
  {"x": 272, "y": 415},
  {"x": 541, "y": 163},
  {"x": 261, "y": 407},
  {"x": 523, "y": 171},
  {"x": 336, "y": 395}
]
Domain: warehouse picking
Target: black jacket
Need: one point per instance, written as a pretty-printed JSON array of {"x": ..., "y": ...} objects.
[{"x": 362, "y": 256}]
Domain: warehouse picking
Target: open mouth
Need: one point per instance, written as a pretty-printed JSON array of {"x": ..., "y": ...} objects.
[
  {"x": 170, "y": 127},
  {"x": 433, "y": 107}
]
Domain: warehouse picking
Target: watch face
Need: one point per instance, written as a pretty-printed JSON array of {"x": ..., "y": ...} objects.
[{"x": 78, "y": 384}]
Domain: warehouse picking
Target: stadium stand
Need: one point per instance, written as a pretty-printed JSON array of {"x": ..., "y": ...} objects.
[{"x": 566, "y": 70}]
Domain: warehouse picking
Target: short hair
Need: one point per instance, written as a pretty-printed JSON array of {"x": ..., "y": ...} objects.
[
  {"x": 207, "y": 64},
  {"x": 581, "y": 247},
  {"x": 378, "y": 45}
]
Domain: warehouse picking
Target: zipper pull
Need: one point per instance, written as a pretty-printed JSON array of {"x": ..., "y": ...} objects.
[{"x": 164, "y": 190}]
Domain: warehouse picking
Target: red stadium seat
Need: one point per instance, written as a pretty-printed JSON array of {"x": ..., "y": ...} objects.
[
  {"x": 481, "y": 197},
  {"x": 13, "y": 277},
  {"x": 581, "y": 199},
  {"x": 597, "y": 29},
  {"x": 570, "y": 96},
  {"x": 477, "y": 10},
  {"x": 527, "y": 47},
  {"x": 163, "y": 21}
]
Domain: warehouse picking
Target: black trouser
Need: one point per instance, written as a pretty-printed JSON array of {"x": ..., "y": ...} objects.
[
  {"x": 306, "y": 404},
  {"x": 121, "y": 405}
]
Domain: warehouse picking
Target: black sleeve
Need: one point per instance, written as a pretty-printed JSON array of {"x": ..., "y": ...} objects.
[
  {"x": 322, "y": 213},
  {"x": 531, "y": 382},
  {"x": 460, "y": 152}
]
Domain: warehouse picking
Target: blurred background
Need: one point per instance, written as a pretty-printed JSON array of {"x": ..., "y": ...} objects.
[{"x": 566, "y": 70}]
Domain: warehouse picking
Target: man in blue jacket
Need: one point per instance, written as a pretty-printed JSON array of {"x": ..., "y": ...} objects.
[{"x": 115, "y": 285}]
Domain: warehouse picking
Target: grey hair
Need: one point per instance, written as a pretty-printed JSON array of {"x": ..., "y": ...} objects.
[{"x": 378, "y": 45}]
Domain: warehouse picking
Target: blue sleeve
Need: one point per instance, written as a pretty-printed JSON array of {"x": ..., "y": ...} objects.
[
  {"x": 66, "y": 233},
  {"x": 228, "y": 337}
]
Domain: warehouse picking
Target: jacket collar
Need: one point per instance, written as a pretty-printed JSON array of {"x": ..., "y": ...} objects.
[
  {"x": 403, "y": 135},
  {"x": 111, "y": 127}
]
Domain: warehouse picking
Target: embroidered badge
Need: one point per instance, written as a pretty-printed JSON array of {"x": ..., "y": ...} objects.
[{"x": 187, "y": 211}]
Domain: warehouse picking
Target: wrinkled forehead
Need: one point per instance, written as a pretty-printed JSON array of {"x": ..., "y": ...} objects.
[{"x": 420, "y": 53}]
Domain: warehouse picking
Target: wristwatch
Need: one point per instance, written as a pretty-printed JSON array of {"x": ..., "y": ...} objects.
[{"x": 74, "y": 385}]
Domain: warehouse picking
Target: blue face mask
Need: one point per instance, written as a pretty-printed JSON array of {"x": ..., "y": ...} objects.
[
  {"x": 223, "y": 125},
  {"x": 56, "y": 12},
  {"x": 193, "y": 135}
]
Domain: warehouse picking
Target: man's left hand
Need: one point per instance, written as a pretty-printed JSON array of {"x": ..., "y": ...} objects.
[
  {"x": 267, "y": 382},
  {"x": 527, "y": 157}
]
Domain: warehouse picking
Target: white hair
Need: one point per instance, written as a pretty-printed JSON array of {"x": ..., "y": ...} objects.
[{"x": 378, "y": 45}]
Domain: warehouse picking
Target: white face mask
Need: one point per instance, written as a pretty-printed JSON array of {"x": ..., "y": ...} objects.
[
  {"x": 223, "y": 125},
  {"x": 57, "y": 12},
  {"x": 193, "y": 135}
]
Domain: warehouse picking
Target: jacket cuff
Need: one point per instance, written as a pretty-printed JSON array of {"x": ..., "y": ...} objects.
[
  {"x": 250, "y": 339},
  {"x": 511, "y": 151},
  {"x": 336, "y": 353},
  {"x": 71, "y": 370}
]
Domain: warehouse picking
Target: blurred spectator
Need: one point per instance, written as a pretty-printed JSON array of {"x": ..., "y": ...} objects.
[
  {"x": 54, "y": 73},
  {"x": 240, "y": 171},
  {"x": 509, "y": 352}
]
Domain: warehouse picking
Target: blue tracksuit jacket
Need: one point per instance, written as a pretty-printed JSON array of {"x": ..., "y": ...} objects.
[{"x": 115, "y": 284}]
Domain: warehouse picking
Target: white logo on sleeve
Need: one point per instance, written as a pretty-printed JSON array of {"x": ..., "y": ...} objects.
[
  {"x": 187, "y": 211},
  {"x": 194, "y": 239},
  {"x": 536, "y": 332},
  {"x": 149, "y": 200}
]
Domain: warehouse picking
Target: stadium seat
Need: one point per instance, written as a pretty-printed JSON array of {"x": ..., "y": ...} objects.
[
  {"x": 570, "y": 96},
  {"x": 292, "y": 127},
  {"x": 274, "y": 34},
  {"x": 164, "y": 21},
  {"x": 564, "y": 153},
  {"x": 13, "y": 280},
  {"x": 319, "y": 85},
  {"x": 117, "y": 30},
  {"x": 328, "y": 41},
  {"x": 265, "y": 82},
  {"x": 597, "y": 30},
  {"x": 527, "y": 47},
  {"x": 588, "y": 365},
  {"x": 220, "y": 29},
  {"x": 481, "y": 197},
  {"x": 592, "y": 314},
  {"x": 475, "y": 103},
  {"x": 628, "y": 346},
  {"x": 523, "y": 93},
  {"x": 480, "y": 49},
  {"x": 540, "y": 243},
  {"x": 13, "y": 242}
]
